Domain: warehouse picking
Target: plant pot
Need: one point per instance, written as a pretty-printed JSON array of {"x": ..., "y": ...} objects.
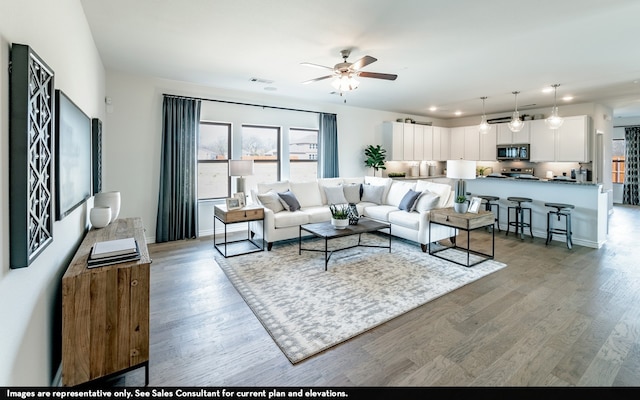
[
  {"x": 461, "y": 207},
  {"x": 339, "y": 223}
]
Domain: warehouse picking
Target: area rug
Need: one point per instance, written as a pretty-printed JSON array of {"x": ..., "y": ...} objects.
[{"x": 306, "y": 309}]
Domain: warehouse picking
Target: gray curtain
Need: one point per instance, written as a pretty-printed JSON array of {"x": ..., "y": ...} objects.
[
  {"x": 177, "y": 201},
  {"x": 631, "y": 194},
  {"x": 328, "y": 147}
]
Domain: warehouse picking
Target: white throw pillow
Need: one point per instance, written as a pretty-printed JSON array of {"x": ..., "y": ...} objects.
[
  {"x": 441, "y": 189},
  {"x": 376, "y": 180},
  {"x": 352, "y": 192},
  {"x": 427, "y": 201},
  {"x": 271, "y": 200},
  {"x": 372, "y": 193}
]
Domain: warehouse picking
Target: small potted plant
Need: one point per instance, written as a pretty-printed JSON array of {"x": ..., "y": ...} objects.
[
  {"x": 375, "y": 156},
  {"x": 339, "y": 215},
  {"x": 460, "y": 205}
]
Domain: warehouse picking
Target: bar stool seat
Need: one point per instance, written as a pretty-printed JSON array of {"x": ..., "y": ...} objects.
[
  {"x": 488, "y": 205},
  {"x": 561, "y": 210},
  {"x": 519, "y": 214}
]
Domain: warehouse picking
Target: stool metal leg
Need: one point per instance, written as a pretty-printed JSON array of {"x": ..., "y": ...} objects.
[{"x": 569, "y": 241}]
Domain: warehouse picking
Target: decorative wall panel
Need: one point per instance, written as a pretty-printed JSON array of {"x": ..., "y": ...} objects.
[{"x": 31, "y": 123}]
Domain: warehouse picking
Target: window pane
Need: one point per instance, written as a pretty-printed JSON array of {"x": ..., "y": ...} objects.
[
  {"x": 303, "y": 144},
  {"x": 263, "y": 171},
  {"x": 302, "y": 171},
  {"x": 260, "y": 142},
  {"x": 618, "y": 148},
  {"x": 213, "y": 181},
  {"x": 214, "y": 141}
]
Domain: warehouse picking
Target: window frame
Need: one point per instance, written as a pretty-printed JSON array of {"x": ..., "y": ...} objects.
[
  {"x": 304, "y": 160},
  {"x": 616, "y": 163},
  {"x": 278, "y": 160},
  {"x": 229, "y": 126}
]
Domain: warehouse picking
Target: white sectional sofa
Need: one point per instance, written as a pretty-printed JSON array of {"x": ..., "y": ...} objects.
[{"x": 375, "y": 197}]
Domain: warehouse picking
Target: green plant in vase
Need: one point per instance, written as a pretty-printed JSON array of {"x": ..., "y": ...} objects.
[
  {"x": 375, "y": 156},
  {"x": 460, "y": 204},
  {"x": 339, "y": 215}
]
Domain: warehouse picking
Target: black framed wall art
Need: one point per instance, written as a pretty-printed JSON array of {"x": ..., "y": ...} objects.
[
  {"x": 31, "y": 158},
  {"x": 96, "y": 154},
  {"x": 73, "y": 155}
]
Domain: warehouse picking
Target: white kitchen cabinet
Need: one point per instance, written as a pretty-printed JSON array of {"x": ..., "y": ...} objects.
[
  {"x": 569, "y": 143},
  {"x": 457, "y": 143},
  {"x": 441, "y": 143},
  {"x": 408, "y": 142},
  {"x": 488, "y": 145},
  {"x": 427, "y": 144},
  {"x": 505, "y": 136},
  {"x": 471, "y": 143},
  {"x": 418, "y": 143},
  {"x": 393, "y": 140}
]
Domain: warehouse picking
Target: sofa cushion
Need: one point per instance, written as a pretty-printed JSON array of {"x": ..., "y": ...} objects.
[
  {"x": 427, "y": 201},
  {"x": 352, "y": 192},
  {"x": 279, "y": 186},
  {"x": 405, "y": 219},
  {"x": 289, "y": 201},
  {"x": 397, "y": 190},
  {"x": 307, "y": 193},
  {"x": 376, "y": 180},
  {"x": 318, "y": 214},
  {"x": 335, "y": 195},
  {"x": 271, "y": 200},
  {"x": 372, "y": 193},
  {"x": 408, "y": 201},
  {"x": 441, "y": 189},
  {"x": 289, "y": 219},
  {"x": 379, "y": 212},
  {"x": 327, "y": 182}
]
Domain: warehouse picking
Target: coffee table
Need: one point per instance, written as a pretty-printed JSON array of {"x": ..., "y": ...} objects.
[{"x": 326, "y": 231}]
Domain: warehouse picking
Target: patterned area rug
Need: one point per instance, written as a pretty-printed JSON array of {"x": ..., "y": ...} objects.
[{"x": 306, "y": 309}]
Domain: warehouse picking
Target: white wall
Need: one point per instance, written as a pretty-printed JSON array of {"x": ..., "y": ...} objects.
[
  {"x": 132, "y": 147},
  {"x": 29, "y": 297}
]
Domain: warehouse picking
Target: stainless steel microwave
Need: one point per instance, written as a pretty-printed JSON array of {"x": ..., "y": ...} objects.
[{"x": 512, "y": 152}]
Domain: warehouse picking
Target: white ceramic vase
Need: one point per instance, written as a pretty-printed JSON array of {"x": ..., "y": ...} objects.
[
  {"x": 100, "y": 216},
  {"x": 108, "y": 199},
  {"x": 461, "y": 207},
  {"x": 339, "y": 223}
]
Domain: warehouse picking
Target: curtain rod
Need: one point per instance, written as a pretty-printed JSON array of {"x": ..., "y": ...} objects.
[{"x": 245, "y": 104}]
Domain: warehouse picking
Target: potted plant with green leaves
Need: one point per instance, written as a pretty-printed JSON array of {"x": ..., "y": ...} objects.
[
  {"x": 460, "y": 204},
  {"x": 375, "y": 157},
  {"x": 339, "y": 215}
]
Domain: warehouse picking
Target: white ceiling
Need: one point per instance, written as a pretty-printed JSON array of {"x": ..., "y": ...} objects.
[{"x": 446, "y": 53}]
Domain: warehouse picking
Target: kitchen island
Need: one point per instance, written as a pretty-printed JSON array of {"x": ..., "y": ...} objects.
[{"x": 589, "y": 218}]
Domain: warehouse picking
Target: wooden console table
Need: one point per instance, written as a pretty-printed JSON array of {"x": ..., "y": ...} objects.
[{"x": 105, "y": 310}]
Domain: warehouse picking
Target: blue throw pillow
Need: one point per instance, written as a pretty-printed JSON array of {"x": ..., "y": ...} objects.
[
  {"x": 289, "y": 200},
  {"x": 409, "y": 200}
]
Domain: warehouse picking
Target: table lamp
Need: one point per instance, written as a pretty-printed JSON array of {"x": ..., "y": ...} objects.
[
  {"x": 461, "y": 170},
  {"x": 240, "y": 168}
]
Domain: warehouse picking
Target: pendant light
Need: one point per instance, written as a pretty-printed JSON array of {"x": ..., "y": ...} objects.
[
  {"x": 516, "y": 124},
  {"x": 554, "y": 121},
  {"x": 484, "y": 127}
]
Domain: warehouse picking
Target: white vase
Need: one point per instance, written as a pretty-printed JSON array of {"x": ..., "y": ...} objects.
[
  {"x": 100, "y": 216},
  {"x": 461, "y": 207},
  {"x": 108, "y": 199},
  {"x": 339, "y": 223}
]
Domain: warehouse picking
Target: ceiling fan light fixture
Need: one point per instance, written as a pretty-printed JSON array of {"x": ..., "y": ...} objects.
[
  {"x": 345, "y": 83},
  {"x": 516, "y": 124},
  {"x": 554, "y": 121},
  {"x": 484, "y": 127}
]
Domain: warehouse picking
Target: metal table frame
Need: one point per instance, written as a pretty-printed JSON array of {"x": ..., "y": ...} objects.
[{"x": 467, "y": 249}]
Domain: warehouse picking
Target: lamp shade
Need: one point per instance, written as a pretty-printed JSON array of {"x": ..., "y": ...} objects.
[
  {"x": 240, "y": 167},
  {"x": 461, "y": 169}
]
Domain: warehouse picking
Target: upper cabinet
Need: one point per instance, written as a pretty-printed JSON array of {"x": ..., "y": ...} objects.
[
  {"x": 414, "y": 142},
  {"x": 441, "y": 143},
  {"x": 488, "y": 145},
  {"x": 569, "y": 143},
  {"x": 505, "y": 136},
  {"x": 468, "y": 144}
]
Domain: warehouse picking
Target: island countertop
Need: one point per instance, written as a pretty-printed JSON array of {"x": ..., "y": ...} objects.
[{"x": 541, "y": 180}]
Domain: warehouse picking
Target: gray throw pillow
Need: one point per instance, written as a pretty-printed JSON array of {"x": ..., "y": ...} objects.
[
  {"x": 372, "y": 193},
  {"x": 427, "y": 201},
  {"x": 271, "y": 200},
  {"x": 352, "y": 192},
  {"x": 409, "y": 200},
  {"x": 289, "y": 200},
  {"x": 335, "y": 195}
]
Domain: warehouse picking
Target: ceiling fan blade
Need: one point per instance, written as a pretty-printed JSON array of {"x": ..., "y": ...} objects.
[
  {"x": 389, "y": 77},
  {"x": 317, "y": 79},
  {"x": 316, "y": 65},
  {"x": 363, "y": 62}
]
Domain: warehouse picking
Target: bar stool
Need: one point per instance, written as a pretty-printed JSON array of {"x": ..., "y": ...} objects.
[
  {"x": 562, "y": 209},
  {"x": 488, "y": 205},
  {"x": 519, "y": 222}
]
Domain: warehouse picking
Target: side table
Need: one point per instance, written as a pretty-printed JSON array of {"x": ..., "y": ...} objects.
[
  {"x": 244, "y": 214},
  {"x": 465, "y": 222}
]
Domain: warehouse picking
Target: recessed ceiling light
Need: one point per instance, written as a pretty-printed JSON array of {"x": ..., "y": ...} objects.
[
  {"x": 567, "y": 98},
  {"x": 458, "y": 113},
  {"x": 547, "y": 90},
  {"x": 270, "y": 88},
  {"x": 433, "y": 108}
]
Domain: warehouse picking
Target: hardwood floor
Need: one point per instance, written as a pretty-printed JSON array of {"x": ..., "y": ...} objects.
[{"x": 553, "y": 317}]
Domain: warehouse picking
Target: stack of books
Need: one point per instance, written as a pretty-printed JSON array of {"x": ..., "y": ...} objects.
[{"x": 113, "y": 252}]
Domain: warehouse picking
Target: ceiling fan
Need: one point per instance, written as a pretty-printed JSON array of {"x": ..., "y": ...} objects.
[{"x": 346, "y": 72}]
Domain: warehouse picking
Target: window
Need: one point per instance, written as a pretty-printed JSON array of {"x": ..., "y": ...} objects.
[
  {"x": 261, "y": 144},
  {"x": 617, "y": 165},
  {"x": 213, "y": 160},
  {"x": 303, "y": 154}
]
